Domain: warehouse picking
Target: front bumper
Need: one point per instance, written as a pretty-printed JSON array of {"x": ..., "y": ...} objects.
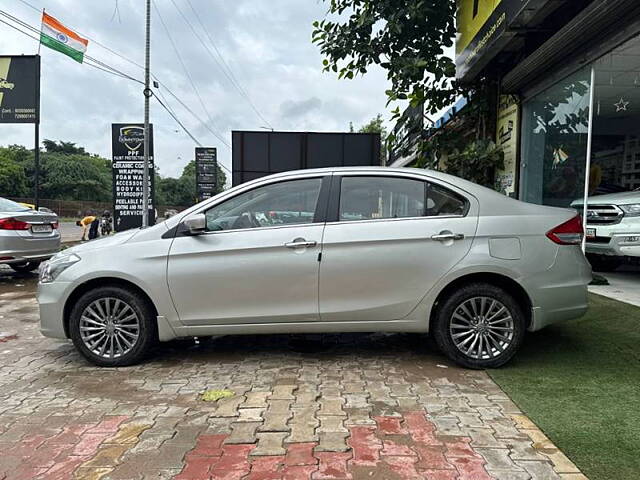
[
  {"x": 617, "y": 245},
  {"x": 51, "y": 299}
]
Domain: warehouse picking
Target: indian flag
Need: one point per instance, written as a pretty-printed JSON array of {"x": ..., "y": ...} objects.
[{"x": 58, "y": 37}]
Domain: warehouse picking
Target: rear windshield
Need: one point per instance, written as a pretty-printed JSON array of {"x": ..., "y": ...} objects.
[{"x": 9, "y": 206}]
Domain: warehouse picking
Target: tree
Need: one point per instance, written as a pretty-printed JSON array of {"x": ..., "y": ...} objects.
[
  {"x": 375, "y": 125},
  {"x": 407, "y": 39},
  {"x": 182, "y": 191},
  {"x": 13, "y": 180}
]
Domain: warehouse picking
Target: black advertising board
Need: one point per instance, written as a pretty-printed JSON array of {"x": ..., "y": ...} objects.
[
  {"x": 127, "y": 144},
  {"x": 206, "y": 168},
  {"x": 20, "y": 89},
  {"x": 257, "y": 154}
]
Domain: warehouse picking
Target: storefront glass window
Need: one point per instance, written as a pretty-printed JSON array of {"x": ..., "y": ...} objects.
[
  {"x": 615, "y": 158},
  {"x": 554, "y": 142}
]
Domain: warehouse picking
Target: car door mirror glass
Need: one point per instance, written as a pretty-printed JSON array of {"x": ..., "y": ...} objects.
[{"x": 196, "y": 224}]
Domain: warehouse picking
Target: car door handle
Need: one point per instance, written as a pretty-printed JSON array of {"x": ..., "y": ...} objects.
[
  {"x": 445, "y": 236},
  {"x": 301, "y": 243}
]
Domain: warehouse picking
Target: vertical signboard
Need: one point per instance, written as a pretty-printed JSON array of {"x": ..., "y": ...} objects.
[
  {"x": 20, "y": 89},
  {"x": 127, "y": 144},
  {"x": 206, "y": 172},
  {"x": 507, "y": 138}
]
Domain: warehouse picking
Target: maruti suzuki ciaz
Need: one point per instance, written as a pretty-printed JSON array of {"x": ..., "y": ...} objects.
[{"x": 329, "y": 250}]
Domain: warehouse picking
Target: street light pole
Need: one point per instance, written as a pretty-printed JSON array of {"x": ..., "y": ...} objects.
[{"x": 147, "y": 133}]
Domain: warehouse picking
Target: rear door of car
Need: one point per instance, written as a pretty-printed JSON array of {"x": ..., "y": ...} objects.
[{"x": 389, "y": 238}]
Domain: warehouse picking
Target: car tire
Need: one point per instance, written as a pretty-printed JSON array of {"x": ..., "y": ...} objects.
[
  {"x": 479, "y": 326},
  {"x": 25, "y": 267},
  {"x": 112, "y": 326},
  {"x": 604, "y": 263}
]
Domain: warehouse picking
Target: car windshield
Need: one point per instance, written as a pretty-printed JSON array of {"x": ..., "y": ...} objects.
[{"x": 10, "y": 206}]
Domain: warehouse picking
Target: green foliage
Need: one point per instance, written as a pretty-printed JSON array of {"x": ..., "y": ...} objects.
[
  {"x": 68, "y": 172},
  {"x": 375, "y": 125},
  {"x": 182, "y": 191},
  {"x": 407, "y": 39},
  {"x": 477, "y": 162},
  {"x": 13, "y": 180}
]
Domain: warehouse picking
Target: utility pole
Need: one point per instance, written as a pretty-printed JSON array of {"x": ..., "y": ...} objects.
[{"x": 147, "y": 132}]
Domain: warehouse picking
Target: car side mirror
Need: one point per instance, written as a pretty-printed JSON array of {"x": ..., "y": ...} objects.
[{"x": 196, "y": 224}]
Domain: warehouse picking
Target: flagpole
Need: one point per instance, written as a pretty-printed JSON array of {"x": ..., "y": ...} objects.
[
  {"x": 147, "y": 133},
  {"x": 39, "y": 40}
]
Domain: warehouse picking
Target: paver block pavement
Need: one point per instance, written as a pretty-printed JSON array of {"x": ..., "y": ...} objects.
[{"x": 350, "y": 406}]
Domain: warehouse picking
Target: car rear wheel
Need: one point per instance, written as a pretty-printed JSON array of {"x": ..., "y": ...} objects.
[
  {"x": 479, "y": 326},
  {"x": 112, "y": 326},
  {"x": 25, "y": 267}
]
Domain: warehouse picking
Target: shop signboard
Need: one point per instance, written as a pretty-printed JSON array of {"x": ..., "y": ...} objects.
[
  {"x": 507, "y": 138},
  {"x": 481, "y": 23},
  {"x": 206, "y": 172},
  {"x": 20, "y": 89},
  {"x": 127, "y": 144}
]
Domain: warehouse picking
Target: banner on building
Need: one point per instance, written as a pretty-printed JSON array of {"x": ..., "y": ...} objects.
[
  {"x": 206, "y": 172},
  {"x": 480, "y": 24},
  {"x": 127, "y": 144},
  {"x": 507, "y": 138},
  {"x": 20, "y": 89}
]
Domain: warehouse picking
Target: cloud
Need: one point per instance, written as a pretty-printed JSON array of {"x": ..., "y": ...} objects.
[
  {"x": 266, "y": 44},
  {"x": 301, "y": 108}
]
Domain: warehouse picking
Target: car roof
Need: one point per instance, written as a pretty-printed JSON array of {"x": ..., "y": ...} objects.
[{"x": 434, "y": 174}]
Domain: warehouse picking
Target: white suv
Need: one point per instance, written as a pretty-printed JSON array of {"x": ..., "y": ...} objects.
[{"x": 613, "y": 228}]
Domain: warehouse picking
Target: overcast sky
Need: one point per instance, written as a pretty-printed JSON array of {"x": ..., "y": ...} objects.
[{"x": 267, "y": 44}]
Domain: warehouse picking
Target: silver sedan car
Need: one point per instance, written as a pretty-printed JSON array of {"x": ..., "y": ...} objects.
[
  {"x": 330, "y": 250},
  {"x": 27, "y": 237}
]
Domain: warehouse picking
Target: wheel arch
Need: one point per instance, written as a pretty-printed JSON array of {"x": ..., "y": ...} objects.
[
  {"x": 100, "y": 282},
  {"x": 502, "y": 281}
]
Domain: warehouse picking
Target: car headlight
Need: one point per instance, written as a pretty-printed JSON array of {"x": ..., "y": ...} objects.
[
  {"x": 631, "y": 210},
  {"x": 53, "y": 268}
]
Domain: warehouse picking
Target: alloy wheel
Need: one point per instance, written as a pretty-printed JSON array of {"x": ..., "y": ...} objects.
[
  {"x": 109, "y": 327},
  {"x": 482, "y": 328}
]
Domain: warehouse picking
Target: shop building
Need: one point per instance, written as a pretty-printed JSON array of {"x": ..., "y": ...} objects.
[{"x": 567, "y": 82}]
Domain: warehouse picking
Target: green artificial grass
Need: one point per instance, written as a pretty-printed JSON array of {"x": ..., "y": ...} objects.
[{"x": 579, "y": 381}]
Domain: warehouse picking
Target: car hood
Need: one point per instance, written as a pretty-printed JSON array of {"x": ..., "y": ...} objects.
[
  {"x": 621, "y": 198},
  {"x": 103, "y": 242}
]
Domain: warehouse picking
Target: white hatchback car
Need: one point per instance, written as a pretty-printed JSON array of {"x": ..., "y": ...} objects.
[{"x": 330, "y": 250}]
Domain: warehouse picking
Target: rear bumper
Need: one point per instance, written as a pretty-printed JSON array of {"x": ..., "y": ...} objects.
[
  {"x": 16, "y": 248},
  {"x": 560, "y": 293}
]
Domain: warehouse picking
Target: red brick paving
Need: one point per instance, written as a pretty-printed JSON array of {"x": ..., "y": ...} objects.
[{"x": 407, "y": 447}]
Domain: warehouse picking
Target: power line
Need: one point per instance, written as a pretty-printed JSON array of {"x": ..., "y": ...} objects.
[
  {"x": 186, "y": 72},
  {"x": 117, "y": 54},
  {"x": 99, "y": 65},
  {"x": 107, "y": 68},
  {"x": 222, "y": 64},
  {"x": 94, "y": 62}
]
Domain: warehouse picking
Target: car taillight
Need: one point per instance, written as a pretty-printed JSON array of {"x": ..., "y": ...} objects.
[
  {"x": 54, "y": 225},
  {"x": 568, "y": 233},
  {"x": 13, "y": 224}
]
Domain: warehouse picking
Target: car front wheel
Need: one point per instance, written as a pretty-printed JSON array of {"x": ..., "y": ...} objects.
[
  {"x": 112, "y": 326},
  {"x": 479, "y": 326}
]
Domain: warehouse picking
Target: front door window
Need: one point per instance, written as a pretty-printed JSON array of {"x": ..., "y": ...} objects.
[{"x": 285, "y": 203}]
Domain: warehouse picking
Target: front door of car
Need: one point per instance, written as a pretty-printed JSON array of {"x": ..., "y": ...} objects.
[
  {"x": 387, "y": 241},
  {"x": 257, "y": 261}
]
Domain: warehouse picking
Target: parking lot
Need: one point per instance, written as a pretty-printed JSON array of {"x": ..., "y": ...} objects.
[{"x": 325, "y": 407}]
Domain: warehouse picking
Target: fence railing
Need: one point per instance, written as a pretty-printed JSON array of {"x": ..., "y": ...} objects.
[{"x": 77, "y": 209}]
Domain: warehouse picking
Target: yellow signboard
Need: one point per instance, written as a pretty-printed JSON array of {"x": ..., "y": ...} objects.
[{"x": 471, "y": 17}]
